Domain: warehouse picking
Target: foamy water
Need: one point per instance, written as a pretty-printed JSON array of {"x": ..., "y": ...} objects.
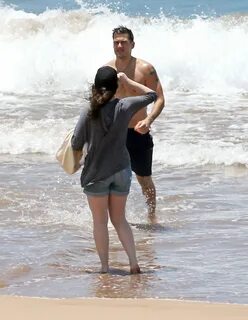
[
  {"x": 49, "y": 60},
  {"x": 59, "y": 50},
  {"x": 197, "y": 249}
]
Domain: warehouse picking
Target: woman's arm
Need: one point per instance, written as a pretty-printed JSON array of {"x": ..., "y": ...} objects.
[{"x": 80, "y": 133}]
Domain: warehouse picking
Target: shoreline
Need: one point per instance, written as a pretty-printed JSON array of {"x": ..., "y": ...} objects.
[{"x": 30, "y": 308}]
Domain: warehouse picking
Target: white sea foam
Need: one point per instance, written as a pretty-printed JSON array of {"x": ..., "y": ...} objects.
[
  {"x": 60, "y": 50},
  {"x": 44, "y": 136},
  {"x": 57, "y": 53},
  {"x": 202, "y": 153}
]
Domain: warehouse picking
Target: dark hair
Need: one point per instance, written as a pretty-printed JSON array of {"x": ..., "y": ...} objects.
[
  {"x": 121, "y": 30},
  {"x": 103, "y": 89},
  {"x": 98, "y": 98}
]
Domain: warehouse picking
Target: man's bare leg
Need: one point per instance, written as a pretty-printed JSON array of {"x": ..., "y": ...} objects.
[{"x": 149, "y": 191}]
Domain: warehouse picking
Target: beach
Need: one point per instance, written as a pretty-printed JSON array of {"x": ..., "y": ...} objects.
[
  {"x": 22, "y": 308},
  {"x": 194, "y": 258}
]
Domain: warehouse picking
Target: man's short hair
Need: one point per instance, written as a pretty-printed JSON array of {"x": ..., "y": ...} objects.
[{"x": 122, "y": 30}]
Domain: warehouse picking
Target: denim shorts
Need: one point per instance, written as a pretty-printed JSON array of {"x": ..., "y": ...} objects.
[{"x": 118, "y": 184}]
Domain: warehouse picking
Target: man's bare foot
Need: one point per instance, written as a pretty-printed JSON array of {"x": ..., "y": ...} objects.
[
  {"x": 135, "y": 270},
  {"x": 104, "y": 270},
  {"x": 152, "y": 218}
]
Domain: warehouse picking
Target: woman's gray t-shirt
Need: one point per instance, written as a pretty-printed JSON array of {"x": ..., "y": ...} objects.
[{"x": 106, "y": 137}]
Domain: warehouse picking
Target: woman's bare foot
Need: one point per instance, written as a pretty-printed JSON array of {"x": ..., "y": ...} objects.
[{"x": 135, "y": 270}]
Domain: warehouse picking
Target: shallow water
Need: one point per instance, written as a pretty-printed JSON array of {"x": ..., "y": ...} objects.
[{"x": 196, "y": 250}]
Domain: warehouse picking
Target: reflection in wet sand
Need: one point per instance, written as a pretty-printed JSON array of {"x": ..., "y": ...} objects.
[{"x": 118, "y": 283}]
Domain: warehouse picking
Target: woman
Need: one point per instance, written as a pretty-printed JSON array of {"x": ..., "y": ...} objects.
[{"x": 106, "y": 176}]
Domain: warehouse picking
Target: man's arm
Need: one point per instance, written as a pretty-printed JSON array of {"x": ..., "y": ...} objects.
[{"x": 152, "y": 81}]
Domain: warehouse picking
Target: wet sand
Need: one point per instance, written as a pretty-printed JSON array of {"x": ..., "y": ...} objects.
[{"x": 21, "y": 308}]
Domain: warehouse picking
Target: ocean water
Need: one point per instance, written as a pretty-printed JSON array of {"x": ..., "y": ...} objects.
[{"x": 49, "y": 52}]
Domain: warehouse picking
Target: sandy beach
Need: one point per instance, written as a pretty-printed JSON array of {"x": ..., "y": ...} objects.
[{"x": 21, "y": 308}]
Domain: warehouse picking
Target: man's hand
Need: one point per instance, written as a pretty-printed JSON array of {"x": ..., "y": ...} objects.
[{"x": 143, "y": 126}]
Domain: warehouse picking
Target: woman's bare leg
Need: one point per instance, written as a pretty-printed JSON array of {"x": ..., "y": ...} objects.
[
  {"x": 117, "y": 205},
  {"x": 99, "y": 209}
]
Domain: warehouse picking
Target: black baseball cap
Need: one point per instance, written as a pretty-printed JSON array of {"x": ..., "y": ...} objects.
[{"x": 106, "y": 77}]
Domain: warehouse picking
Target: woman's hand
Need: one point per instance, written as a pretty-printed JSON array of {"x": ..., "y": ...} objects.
[{"x": 123, "y": 78}]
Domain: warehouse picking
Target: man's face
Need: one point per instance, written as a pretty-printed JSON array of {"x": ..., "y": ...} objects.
[{"x": 122, "y": 45}]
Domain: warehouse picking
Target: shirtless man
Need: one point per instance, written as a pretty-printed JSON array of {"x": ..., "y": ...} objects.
[{"x": 139, "y": 140}]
